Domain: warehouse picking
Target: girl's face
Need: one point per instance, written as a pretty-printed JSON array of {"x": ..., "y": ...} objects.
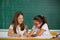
[
  {"x": 37, "y": 23},
  {"x": 20, "y": 19}
]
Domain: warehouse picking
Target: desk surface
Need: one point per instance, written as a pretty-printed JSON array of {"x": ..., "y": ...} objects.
[
  {"x": 28, "y": 39},
  {"x": 2, "y": 37}
]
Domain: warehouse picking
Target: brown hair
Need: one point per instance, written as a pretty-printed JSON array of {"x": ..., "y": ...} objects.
[
  {"x": 15, "y": 21},
  {"x": 40, "y": 18}
]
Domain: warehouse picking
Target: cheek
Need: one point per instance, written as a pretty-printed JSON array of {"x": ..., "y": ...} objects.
[
  {"x": 20, "y": 20},
  {"x": 39, "y": 25}
]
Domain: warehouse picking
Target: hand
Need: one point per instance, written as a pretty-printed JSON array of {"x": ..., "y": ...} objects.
[
  {"x": 29, "y": 35},
  {"x": 18, "y": 35},
  {"x": 26, "y": 34},
  {"x": 34, "y": 35}
]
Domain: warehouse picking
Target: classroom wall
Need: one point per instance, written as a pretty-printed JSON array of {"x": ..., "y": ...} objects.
[{"x": 48, "y": 8}]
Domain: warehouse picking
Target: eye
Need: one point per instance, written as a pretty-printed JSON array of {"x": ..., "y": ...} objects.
[{"x": 35, "y": 24}]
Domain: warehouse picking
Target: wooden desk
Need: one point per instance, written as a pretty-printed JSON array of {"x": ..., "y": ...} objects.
[{"x": 28, "y": 39}]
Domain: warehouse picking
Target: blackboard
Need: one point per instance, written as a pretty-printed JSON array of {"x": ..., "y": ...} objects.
[{"x": 30, "y": 8}]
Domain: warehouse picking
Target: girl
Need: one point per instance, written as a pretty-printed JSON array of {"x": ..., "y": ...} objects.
[
  {"x": 40, "y": 28},
  {"x": 17, "y": 28}
]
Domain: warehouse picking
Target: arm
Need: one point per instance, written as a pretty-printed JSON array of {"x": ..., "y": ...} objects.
[
  {"x": 39, "y": 33},
  {"x": 12, "y": 34},
  {"x": 44, "y": 28},
  {"x": 31, "y": 33},
  {"x": 26, "y": 32}
]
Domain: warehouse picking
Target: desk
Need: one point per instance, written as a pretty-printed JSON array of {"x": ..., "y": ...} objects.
[
  {"x": 28, "y": 39},
  {"x": 5, "y": 37}
]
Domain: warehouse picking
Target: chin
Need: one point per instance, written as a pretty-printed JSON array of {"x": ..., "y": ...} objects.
[{"x": 20, "y": 23}]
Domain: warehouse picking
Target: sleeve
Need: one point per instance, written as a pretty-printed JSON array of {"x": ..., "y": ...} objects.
[
  {"x": 33, "y": 28},
  {"x": 11, "y": 27},
  {"x": 45, "y": 27},
  {"x": 26, "y": 27}
]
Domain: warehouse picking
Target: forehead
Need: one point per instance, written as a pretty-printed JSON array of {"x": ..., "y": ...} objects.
[
  {"x": 20, "y": 16},
  {"x": 35, "y": 21}
]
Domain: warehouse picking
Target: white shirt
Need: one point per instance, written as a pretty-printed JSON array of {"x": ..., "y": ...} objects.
[
  {"x": 46, "y": 34},
  {"x": 18, "y": 30}
]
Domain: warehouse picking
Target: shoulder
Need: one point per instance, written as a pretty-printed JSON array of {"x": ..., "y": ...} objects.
[
  {"x": 33, "y": 27},
  {"x": 11, "y": 26},
  {"x": 26, "y": 26},
  {"x": 45, "y": 26}
]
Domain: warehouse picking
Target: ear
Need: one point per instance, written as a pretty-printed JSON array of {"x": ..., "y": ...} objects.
[{"x": 40, "y": 23}]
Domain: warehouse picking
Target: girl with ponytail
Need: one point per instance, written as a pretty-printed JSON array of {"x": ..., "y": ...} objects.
[{"x": 40, "y": 28}]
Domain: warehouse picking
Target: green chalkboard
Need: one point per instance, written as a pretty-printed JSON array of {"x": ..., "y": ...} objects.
[{"x": 48, "y": 8}]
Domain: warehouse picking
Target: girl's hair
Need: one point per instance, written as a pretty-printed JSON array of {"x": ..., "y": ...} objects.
[
  {"x": 15, "y": 21},
  {"x": 40, "y": 18}
]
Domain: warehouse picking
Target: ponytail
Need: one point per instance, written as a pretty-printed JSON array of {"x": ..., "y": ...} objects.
[{"x": 44, "y": 19}]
